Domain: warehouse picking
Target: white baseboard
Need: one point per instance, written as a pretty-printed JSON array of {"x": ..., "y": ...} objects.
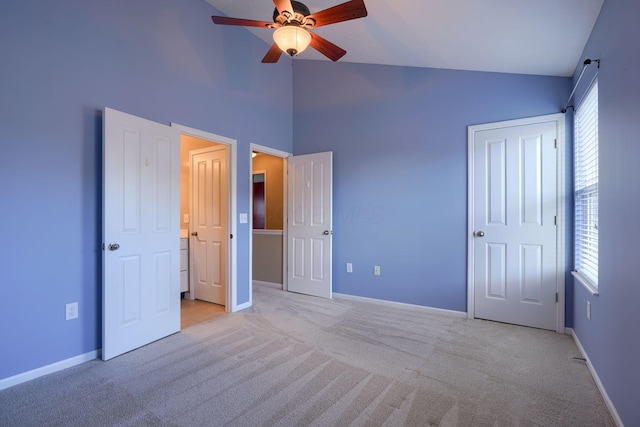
[
  {"x": 424, "y": 309},
  {"x": 596, "y": 378},
  {"x": 49, "y": 369},
  {"x": 269, "y": 284}
]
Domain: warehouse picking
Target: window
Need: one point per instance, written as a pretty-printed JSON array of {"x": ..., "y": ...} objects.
[{"x": 586, "y": 190}]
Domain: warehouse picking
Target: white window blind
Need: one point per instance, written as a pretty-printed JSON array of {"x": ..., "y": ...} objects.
[{"x": 586, "y": 187}]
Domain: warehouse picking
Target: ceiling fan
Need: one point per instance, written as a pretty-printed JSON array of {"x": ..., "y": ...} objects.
[{"x": 292, "y": 21}]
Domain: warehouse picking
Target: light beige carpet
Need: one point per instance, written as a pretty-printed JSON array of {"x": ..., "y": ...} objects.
[{"x": 294, "y": 360}]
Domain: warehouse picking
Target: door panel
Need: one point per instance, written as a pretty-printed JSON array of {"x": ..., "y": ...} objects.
[
  {"x": 131, "y": 290},
  {"x": 531, "y": 180},
  {"x": 141, "y": 277},
  {"x": 531, "y": 279},
  {"x": 310, "y": 224},
  {"x": 514, "y": 207},
  {"x": 496, "y": 271},
  {"x": 210, "y": 207},
  {"x": 497, "y": 193}
]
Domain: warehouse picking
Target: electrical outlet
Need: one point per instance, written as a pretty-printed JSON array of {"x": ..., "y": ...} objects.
[
  {"x": 72, "y": 310},
  {"x": 588, "y": 310},
  {"x": 376, "y": 270},
  {"x": 349, "y": 267}
]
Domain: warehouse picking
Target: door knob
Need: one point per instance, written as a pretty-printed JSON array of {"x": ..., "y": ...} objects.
[
  {"x": 479, "y": 233},
  {"x": 327, "y": 232},
  {"x": 113, "y": 246},
  {"x": 195, "y": 234}
]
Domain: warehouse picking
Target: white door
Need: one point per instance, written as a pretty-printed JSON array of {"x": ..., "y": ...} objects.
[
  {"x": 309, "y": 228},
  {"x": 513, "y": 224},
  {"x": 141, "y": 256},
  {"x": 209, "y": 230}
]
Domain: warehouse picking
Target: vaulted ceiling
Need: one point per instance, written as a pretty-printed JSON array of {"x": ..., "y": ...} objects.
[{"x": 544, "y": 37}]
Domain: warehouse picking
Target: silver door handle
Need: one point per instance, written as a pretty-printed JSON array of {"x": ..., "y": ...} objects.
[
  {"x": 327, "y": 232},
  {"x": 479, "y": 234},
  {"x": 113, "y": 246}
]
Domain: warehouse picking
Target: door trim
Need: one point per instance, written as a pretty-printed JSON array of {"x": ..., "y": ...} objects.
[
  {"x": 284, "y": 155},
  {"x": 231, "y": 303},
  {"x": 561, "y": 205}
]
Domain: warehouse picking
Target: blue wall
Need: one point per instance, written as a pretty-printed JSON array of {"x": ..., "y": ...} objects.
[
  {"x": 62, "y": 62},
  {"x": 611, "y": 337},
  {"x": 399, "y": 137},
  {"x": 398, "y": 134}
]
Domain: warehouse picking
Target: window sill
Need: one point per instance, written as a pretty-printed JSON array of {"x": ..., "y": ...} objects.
[{"x": 588, "y": 284}]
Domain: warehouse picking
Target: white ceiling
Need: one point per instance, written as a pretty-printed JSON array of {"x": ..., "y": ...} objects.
[{"x": 544, "y": 37}]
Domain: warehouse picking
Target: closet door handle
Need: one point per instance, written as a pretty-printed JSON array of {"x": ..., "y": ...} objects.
[
  {"x": 194, "y": 234},
  {"x": 113, "y": 246}
]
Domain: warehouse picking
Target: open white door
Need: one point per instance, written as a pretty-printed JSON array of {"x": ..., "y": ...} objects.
[
  {"x": 141, "y": 253},
  {"x": 309, "y": 230},
  {"x": 209, "y": 230}
]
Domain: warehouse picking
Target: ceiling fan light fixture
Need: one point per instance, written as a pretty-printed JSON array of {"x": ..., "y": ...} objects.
[{"x": 292, "y": 39}]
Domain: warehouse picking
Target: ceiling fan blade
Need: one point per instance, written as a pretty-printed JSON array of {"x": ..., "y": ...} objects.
[
  {"x": 273, "y": 55},
  {"x": 283, "y": 5},
  {"x": 326, "y": 48},
  {"x": 353, "y": 9},
  {"x": 224, "y": 20}
]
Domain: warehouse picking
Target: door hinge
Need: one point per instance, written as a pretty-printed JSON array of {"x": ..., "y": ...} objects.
[
  {"x": 555, "y": 220},
  {"x": 556, "y": 297},
  {"x": 231, "y": 236},
  {"x": 555, "y": 143}
]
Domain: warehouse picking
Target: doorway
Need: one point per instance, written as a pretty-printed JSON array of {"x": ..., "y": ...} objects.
[
  {"x": 194, "y": 141},
  {"x": 141, "y": 230},
  {"x": 267, "y": 213},
  {"x": 204, "y": 248},
  {"x": 516, "y": 222},
  {"x": 307, "y": 189}
]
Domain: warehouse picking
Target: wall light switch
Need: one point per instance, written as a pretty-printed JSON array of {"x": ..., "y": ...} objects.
[
  {"x": 349, "y": 267},
  {"x": 185, "y": 218},
  {"x": 243, "y": 218}
]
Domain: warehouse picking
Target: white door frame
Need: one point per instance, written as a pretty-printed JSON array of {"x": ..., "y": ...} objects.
[
  {"x": 231, "y": 304},
  {"x": 284, "y": 155},
  {"x": 561, "y": 203}
]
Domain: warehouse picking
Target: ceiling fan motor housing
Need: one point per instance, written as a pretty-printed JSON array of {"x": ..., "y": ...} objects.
[{"x": 300, "y": 10}]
